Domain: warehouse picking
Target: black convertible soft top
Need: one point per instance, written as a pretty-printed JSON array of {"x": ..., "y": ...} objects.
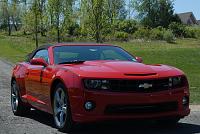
[{"x": 30, "y": 55}]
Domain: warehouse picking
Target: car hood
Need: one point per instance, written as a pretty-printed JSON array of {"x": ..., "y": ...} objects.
[{"x": 120, "y": 69}]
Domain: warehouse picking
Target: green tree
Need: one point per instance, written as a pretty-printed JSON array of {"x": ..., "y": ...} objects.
[
  {"x": 166, "y": 13},
  {"x": 97, "y": 19},
  {"x": 56, "y": 16},
  {"x": 71, "y": 16},
  {"x": 34, "y": 18},
  {"x": 14, "y": 13},
  {"x": 42, "y": 17},
  {"x": 23, "y": 17},
  {"x": 147, "y": 11},
  {"x": 35, "y": 9},
  {"x": 5, "y": 16},
  {"x": 116, "y": 11},
  {"x": 154, "y": 13}
]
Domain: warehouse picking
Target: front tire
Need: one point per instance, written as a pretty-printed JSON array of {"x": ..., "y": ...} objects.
[
  {"x": 18, "y": 107},
  {"x": 61, "y": 109}
]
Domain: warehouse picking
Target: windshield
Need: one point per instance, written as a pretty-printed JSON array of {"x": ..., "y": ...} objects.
[{"x": 89, "y": 53}]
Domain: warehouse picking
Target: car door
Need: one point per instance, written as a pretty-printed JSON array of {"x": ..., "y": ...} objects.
[{"x": 33, "y": 80}]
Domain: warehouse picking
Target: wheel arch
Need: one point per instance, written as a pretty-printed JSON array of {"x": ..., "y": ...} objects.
[
  {"x": 55, "y": 82},
  {"x": 13, "y": 79}
]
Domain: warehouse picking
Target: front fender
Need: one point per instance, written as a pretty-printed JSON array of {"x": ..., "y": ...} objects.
[
  {"x": 73, "y": 84},
  {"x": 18, "y": 74}
]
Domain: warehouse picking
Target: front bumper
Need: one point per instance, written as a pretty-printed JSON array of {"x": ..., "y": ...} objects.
[{"x": 104, "y": 99}]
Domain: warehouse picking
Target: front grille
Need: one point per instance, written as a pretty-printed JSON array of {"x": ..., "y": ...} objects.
[
  {"x": 138, "y": 85},
  {"x": 141, "y": 109}
]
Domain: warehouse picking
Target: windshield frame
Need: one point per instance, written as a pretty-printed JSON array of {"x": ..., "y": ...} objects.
[{"x": 53, "y": 51}]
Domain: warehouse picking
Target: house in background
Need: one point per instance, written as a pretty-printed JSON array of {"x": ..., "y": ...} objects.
[
  {"x": 198, "y": 21},
  {"x": 188, "y": 18}
]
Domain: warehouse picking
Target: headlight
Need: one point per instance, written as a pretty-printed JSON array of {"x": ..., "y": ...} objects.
[
  {"x": 175, "y": 81},
  {"x": 96, "y": 84}
]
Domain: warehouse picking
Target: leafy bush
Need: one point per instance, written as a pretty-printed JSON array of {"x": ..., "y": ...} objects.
[
  {"x": 68, "y": 39},
  {"x": 77, "y": 32},
  {"x": 197, "y": 31},
  {"x": 190, "y": 32},
  {"x": 72, "y": 29},
  {"x": 168, "y": 36},
  {"x": 128, "y": 26},
  {"x": 193, "y": 32},
  {"x": 52, "y": 32},
  {"x": 157, "y": 33},
  {"x": 83, "y": 32},
  {"x": 121, "y": 36},
  {"x": 142, "y": 33},
  {"x": 179, "y": 30}
]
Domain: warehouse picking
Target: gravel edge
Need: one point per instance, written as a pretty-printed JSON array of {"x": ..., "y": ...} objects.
[
  {"x": 7, "y": 62},
  {"x": 195, "y": 108}
]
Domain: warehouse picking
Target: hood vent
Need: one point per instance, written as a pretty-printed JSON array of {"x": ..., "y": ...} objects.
[{"x": 149, "y": 74}]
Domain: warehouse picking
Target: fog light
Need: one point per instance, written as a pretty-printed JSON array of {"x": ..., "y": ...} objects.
[
  {"x": 185, "y": 101},
  {"x": 89, "y": 105}
]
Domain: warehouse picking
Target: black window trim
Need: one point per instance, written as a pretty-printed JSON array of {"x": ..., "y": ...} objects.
[
  {"x": 32, "y": 54},
  {"x": 35, "y": 52}
]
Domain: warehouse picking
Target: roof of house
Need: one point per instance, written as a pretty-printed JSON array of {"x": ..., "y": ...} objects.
[
  {"x": 185, "y": 16},
  {"x": 198, "y": 21}
]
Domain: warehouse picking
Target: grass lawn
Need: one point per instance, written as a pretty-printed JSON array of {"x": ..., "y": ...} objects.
[{"x": 184, "y": 54}]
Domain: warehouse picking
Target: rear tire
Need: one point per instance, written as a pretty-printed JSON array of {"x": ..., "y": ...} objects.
[
  {"x": 61, "y": 109},
  {"x": 18, "y": 107}
]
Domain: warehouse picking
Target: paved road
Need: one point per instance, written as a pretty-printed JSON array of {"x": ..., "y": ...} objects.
[{"x": 40, "y": 123}]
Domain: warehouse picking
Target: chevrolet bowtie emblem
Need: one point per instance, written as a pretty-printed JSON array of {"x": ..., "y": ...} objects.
[{"x": 145, "y": 85}]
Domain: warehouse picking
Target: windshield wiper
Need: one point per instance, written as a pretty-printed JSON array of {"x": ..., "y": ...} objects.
[{"x": 72, "y": 62}]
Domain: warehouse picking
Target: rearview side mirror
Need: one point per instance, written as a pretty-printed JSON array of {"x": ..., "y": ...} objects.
[
  {"x": 39, "y": 61},
  {"x": 139, "y": 59}
]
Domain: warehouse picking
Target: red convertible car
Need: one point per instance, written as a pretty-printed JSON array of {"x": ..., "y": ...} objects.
[{"x": 80, "y": 83}]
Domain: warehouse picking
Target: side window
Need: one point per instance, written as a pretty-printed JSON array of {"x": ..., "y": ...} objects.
[{"x": 42, "y": 54}]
